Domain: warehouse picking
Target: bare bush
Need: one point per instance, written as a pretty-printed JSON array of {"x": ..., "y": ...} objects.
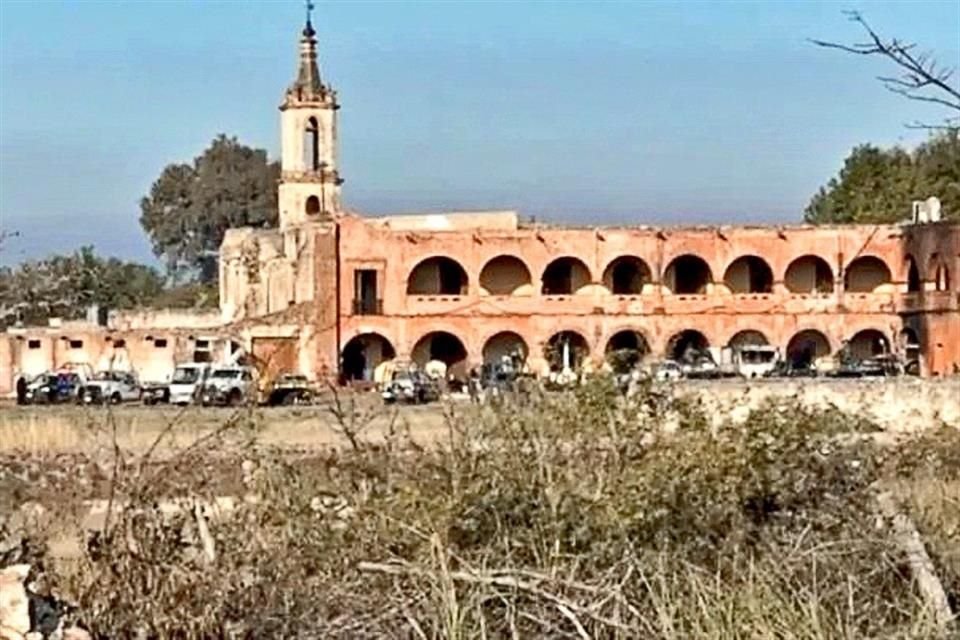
[{"x": 569, "y": 515}]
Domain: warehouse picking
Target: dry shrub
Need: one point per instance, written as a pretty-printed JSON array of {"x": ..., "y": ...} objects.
[{"x": 567, "y": 515}]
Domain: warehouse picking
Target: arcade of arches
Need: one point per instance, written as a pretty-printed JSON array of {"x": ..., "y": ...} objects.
[
  {"x": 462, "y": 287},
  {"x": 623, "y": 349}
]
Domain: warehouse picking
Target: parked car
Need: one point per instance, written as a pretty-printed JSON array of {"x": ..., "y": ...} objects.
[
  {"x": 756, "y": 360},
  {"x": 229, "y": 386},
  {"x": 290, "y": 389},
  {"x": 187, "y": 382},
  {"x": 701, "y": 369},
  {"x": 787, "y": 369},
  {"x": 110, "y": 386},
  {"x": 53, "y": 388},
  {"x": 667, "y": 370},
  {"x": 411, "y": 386},
  {"x": 853, "y": 368},
  {"x": 155, "y": 393}
]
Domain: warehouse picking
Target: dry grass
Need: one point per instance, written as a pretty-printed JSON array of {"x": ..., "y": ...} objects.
[
  {"x": 563, "y": 516},
  {"x": 70, "y": 429}
]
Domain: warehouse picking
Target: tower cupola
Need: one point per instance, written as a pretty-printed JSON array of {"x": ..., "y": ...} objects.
[{"x": 309, "y": 180}]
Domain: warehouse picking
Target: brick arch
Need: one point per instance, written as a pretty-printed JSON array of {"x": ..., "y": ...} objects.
[
  {"x": 660, "y": 338},
  {"x": 805, "y": 346},
  {"x": 754, "y": 270},
  {"x": 581, "y": 275},
  {"x": 627, "y": 274},
  {"x": 483, "y": 339},
  {"x": 938, "y": 273},
  {"x": 584, "y": 329},
  {"x": 859, "y": 341},
  {"x": 519, "y": 283},
  {"x": 601, "y": 344},
  {"x": 912, "y": 275},
  {"x": 422, "y": 261},
  {"x": 690, "y": 336},
  {"x": 582, "y": 353},
  {"x": 749, "y": 335},
  {"x": 834, "y": 336},
  {"x": 687, "y": 263},
  {"x": 361, "y": 354},
  {"x": 416, "y": 331},
  {"x": 377, "y": 324},
  {"x": 444, "y": 345},
  {"x": 809, "y": 273},
  {"x": 861, "y": 275},
  {"x": 872, "y": 324}
]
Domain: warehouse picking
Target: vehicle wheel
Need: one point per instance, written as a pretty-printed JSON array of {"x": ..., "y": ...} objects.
[
  {"x": 149, "y": 401},
  {"x": 235, "y": 399},
  {"x": 115, "y": 398}
]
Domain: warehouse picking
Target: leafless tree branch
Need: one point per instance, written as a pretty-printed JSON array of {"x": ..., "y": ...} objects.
[{"x": 921, "y": 77}]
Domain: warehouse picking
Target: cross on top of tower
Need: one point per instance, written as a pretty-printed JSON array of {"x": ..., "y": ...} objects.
[{"x": 308, "y": 29}]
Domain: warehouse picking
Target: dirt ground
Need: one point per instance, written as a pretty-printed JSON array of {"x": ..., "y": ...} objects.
[{"x": 72, "y": 429}]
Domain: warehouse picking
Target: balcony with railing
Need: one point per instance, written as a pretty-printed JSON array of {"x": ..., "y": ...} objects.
[{"x": 368, "y": 307}]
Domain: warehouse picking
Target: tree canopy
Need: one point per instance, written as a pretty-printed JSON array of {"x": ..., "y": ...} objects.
[
  {"x": 66, "y": 285},
  {"x": 190, "y": 206},
  {"x": 878, "y": 185}
]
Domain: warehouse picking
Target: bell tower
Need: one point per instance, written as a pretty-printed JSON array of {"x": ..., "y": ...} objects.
[{"x": 309, "y": 178}]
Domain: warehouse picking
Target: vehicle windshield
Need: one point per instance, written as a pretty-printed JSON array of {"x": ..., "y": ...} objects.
[
  {"x": 103, "y": 375},
  {"x": 757, "y": 356},
  {"x": 225, "y": 374},
  {"x": 185, "y": 375}
]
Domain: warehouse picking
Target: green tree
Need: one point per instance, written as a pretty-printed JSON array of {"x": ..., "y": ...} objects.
[
  {"x": 190, "y": 206},
  {"x": 878, "y": 185},
  {"x": 66, "y": 285},
  {"x": 937, "y": 163}
]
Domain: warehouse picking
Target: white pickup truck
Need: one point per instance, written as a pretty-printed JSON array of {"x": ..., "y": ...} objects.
[
  {"x": 187, "y": 381},
  {"x": 110, "y": 386}
]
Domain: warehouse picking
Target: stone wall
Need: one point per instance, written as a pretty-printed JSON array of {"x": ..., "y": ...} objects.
[{"x": 904, "y": 405}]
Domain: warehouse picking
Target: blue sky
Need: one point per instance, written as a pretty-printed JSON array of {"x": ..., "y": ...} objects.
[{"x": 606, "y": 112}]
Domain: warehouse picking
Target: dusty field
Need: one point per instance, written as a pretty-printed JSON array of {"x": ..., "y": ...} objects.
[
  {"x": 571, "y": 511},
  {"x": 898, "y": 406},
  {"x": 71, "y": 429}
]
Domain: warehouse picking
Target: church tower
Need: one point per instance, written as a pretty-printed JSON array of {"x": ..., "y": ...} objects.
[{"x": 309, "y": 179}]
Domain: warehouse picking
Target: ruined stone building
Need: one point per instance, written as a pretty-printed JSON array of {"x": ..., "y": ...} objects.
[{"x": 331, "y": 292}]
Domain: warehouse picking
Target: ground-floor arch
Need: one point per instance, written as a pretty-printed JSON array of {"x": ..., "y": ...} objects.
[
  {"x": 363, "y": 354},
  {"x": 504, "y": 344},
  {"x": 566, "y": 350},
  {"x": 806, "y": 347},
  {"x": 442, "y": 346},
  {"x": 868, "y": 343},
  {"x": 625, "y": 349},
  {"x": 747, "y": 337},
  {"x": 687, "y": 345}
]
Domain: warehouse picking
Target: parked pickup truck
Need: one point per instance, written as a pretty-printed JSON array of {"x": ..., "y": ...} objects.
[
  {"x": 188, "y": 381},
  {"x": 53, "y": 388},
  {"x": 229, "y": 386},
  {"x": 110, "y": 386},
  {"x": 289, "y": 389}
]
